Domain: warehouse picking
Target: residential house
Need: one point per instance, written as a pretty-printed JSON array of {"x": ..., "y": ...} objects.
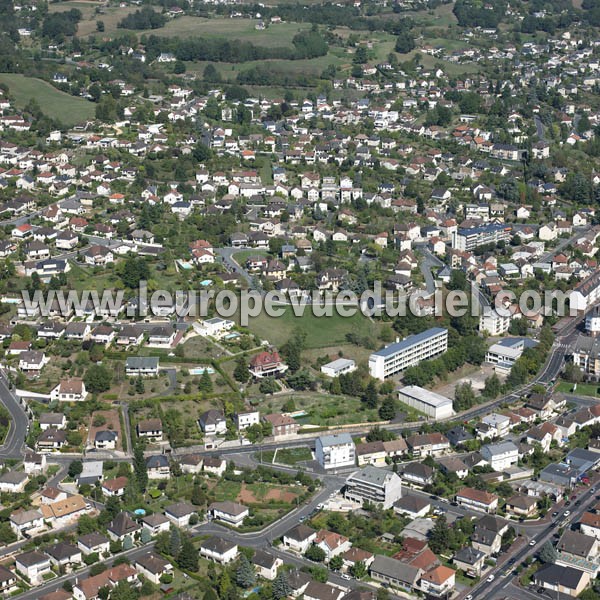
[{"x": 219, "y": 550}]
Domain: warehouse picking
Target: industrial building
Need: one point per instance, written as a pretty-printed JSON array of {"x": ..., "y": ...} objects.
[{"x": 432, "y": 404}]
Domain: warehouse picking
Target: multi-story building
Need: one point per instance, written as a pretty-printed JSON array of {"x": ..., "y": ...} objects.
[
  {"x": 494, "y": 323},
  {"x": 409, "y": 352},
  {"x": 501, "y": 455},
  {"x": 335, "y": 451},
  {"x": 430, "y": 403},
  {"x": 585, "y": 353},
  {"x": 375, "y": 486},
  {"x": 477, "y": 499},
  {"x": 469, "y": 239}
]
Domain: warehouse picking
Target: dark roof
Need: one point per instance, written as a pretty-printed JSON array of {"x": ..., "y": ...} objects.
[
  {"x": 180, "y": 509},
  {"x": 123, "y": 524},
  {"x": 62, "y": 550},
  {"x": 300, "y": 532},
  {"x": 555, "y": 574},
  {"x": 218, "y": 545}
]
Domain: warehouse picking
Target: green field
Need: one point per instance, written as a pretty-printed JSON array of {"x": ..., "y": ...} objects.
[
  {"x": 288, "y": 456},
  {"x": 583, "y": 389},
  {"x": 321, "y": 332},
  {"x": 56, "y": 104},
  {"x": 273, "y": 36}
]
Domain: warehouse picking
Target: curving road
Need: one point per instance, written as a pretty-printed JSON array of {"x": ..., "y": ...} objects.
[{"x": 19, "y": 425}]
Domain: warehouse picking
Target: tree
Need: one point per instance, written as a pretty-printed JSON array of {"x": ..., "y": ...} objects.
[
  {"x": 387, "y": 410},
  {"x": 187, "y": 559},
  {"x": 127, "y": 543},
  {"x": 336, "y": 563},
  {"x": 75, "y": 468},
  {"x": 548, "y": 553},
  {"x": 244, "y": 575},
  {"x": 174, "y": 542},
  {"x": 370, "y": 395},
  {"x": 145, "y": 536},
  {"x": 97, "y": 379},
  {"x": 281, "y": 586},
  {"x": 139, "y": 468},
  {"x": 133, "y": 271},
  {"x": 315, "y": 554},
  {"x": 404, "y": 43},
  {"x": 464, "y": 396},
  {"x": 123, "y": 591},
  {"x": 205, "y": 386},
  {"x": 439, "y": 539},
  {"x": 100, "y": 26},
  {"x": 254, "y": 433},
  {"x": 493, "y": 386},
  {"x": 198, "y": 496},
  {"x": 241, "y": 372},
  {"x": 358, "y": 570}
]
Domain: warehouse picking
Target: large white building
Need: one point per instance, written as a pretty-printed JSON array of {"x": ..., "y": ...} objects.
[
  {"x": 338, "y": 367},
  {"x": 493, "y": 323},
  {"x": 335, "y": 451},
  {"x": 501, "y": 455},
  {"x": 397, "y": 357},
  {"x": 375, "y": 486},
  {"x": 469, "y": 239},
  {"x": 586, "y": 294},
  {"x": 430, "y": 403}
]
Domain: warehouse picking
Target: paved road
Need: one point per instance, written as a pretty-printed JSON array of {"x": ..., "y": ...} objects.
[
  {"x": 429, "y": 262},
  {"x": 487, "y": 589},
  {"x": 232, "y": 265},
  {"x": 539, "y": 127},
  {"x": 19, "y": 425}
]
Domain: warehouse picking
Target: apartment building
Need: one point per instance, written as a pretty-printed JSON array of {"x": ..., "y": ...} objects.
[
  {"x": 397, "y": 357},
  {"x": 375, "y": 486},
  {"x": 335, "y": 451},
  {"x": 469, "y": 239}
]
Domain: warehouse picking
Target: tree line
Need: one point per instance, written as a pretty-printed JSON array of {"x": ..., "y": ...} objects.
[{"x": 306, "y": 44}]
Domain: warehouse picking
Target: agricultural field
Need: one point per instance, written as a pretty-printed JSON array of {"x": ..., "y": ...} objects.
[{"x": 55, "y": 104}]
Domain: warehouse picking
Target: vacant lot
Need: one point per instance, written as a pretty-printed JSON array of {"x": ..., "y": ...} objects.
[
  {"x": 323, "y": 409},
  {"x": 321, "y": 332},
  {"x": 288, "y": 456},
  {"x": 56, "y": 104}
]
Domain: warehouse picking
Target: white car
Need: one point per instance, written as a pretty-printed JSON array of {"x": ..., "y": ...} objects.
[
  {"x": 345, "y": 576},
  {"x": 533, "y": 542},
  {"x": 469, "y": 597},
  {"x": 491, "y": 578}
]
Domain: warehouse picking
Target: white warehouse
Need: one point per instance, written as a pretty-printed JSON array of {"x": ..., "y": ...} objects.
[
  {"x": 397, "y": 357},
  {"x": 432, "y": 404}
]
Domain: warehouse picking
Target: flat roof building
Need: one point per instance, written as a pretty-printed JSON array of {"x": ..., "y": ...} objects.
[
  {"x": 397, "y": 357},
  {"x": 430, "y": 403}
]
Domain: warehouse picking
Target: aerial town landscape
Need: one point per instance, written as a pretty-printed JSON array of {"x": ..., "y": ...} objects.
[{"x": 300, "y": 299}]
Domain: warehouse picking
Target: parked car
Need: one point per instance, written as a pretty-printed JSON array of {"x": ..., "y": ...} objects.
[{"x": 491, "y": 578}]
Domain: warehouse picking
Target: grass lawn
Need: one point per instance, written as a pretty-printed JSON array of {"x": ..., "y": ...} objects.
[
  {"x": 274, "y": 36},
  {"x": 199, "y": 347},
  {"x": 225, "y": 490},
  {"x": 321, "y": 332},
  {"x": 56, "y": 104},
  {"x": 243, "y": 255},
  {"x": 585, "y": 389},
  {"x": 288, "y": 456}
]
